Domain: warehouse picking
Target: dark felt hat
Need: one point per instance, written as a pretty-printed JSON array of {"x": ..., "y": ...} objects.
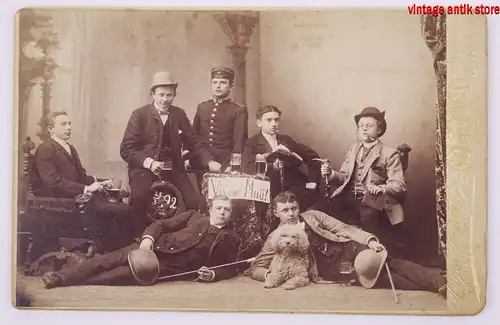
[
  {"x": 222, "y": 72},
  {"x": 144, "y": 265},
  {"x": 375, "y": 113}
]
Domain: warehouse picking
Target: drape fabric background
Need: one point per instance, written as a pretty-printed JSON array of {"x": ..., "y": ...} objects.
[{"x": 321, "y": 68}]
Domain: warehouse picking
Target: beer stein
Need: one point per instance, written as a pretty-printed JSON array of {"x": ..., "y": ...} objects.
[
  {"x": 235, "y": 162},
  {"x": 260, "y": 165}
]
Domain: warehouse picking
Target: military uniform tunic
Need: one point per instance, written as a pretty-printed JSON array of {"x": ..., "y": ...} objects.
[{"x": 224, "y": 127}]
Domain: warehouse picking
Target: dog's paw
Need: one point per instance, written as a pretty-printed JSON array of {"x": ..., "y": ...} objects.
[{"x": 289, "y": 286}]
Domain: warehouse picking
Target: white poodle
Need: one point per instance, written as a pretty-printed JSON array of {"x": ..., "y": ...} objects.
[{"x": 290, "y": 264}]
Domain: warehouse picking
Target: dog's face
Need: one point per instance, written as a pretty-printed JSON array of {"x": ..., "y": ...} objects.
[{"x": 290, "y": 239}]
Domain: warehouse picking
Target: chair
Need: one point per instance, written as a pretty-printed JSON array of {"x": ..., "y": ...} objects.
[
  {"x": 57, "y": 228},
  {"x": 404, "y": 152}
]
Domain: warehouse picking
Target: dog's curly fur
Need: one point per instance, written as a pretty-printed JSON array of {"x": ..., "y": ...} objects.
[{"x": 291, "y": 263}]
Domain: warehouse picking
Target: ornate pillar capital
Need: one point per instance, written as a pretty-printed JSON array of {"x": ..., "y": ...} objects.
[{"x": 238, "y": 25}]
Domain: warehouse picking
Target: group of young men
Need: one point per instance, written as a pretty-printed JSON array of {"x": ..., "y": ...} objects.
[{"x": 353, "y": 224}]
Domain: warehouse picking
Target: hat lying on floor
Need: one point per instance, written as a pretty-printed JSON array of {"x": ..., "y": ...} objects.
[
  {"x": 368, "y": 265},
  {"x": 144, "y": 265}
]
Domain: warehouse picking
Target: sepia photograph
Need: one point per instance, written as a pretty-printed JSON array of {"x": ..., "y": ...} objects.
[{"x": 290, "y": 160}]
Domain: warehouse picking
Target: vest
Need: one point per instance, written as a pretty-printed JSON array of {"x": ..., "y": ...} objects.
[
  {"x": 356, "y": 181},
  {"x": 166, "y": 151}
]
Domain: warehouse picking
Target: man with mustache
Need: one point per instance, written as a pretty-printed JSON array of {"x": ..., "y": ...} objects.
[{"x": 333, "y": 243}]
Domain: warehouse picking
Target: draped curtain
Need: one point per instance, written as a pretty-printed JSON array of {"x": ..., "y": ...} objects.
[{"x": 434, "y": 33}]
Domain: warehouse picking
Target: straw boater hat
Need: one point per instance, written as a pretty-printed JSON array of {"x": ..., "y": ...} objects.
[
  {"x": 144, "y": 266},
  {"x": 162, "y": 78},
  {"x": 368, "y": 265},
  {"x": 375, "y": 113}
]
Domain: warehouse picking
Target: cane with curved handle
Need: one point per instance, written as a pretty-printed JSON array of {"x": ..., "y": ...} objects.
[{"x": 325, "y": 179}]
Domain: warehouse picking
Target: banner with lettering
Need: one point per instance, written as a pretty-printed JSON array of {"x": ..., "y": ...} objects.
[{"x": 242, "y": 188}]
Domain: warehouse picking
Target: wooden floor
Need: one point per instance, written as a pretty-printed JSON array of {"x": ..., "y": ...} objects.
[{"x": 239, "y": 294}]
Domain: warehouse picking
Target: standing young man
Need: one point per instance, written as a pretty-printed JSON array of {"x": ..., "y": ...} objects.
[
  {"x": 220, "y": 121},
  {"x": 153, "y": 136}
]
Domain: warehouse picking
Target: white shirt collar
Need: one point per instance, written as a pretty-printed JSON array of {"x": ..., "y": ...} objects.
[
  {"x": 159, "y": 109},
  {"x": 272, "y": 139},
  {"x": 63, "y": 143},
  {"x": 218, "y": 226},
  {"x": 371, "y": 144},
  {"x": 60, "y": 141}
]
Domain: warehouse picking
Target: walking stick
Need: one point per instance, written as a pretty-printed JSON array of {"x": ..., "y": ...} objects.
[
  {"x": 249, "y": 260},
  {"x": 392, "y": 283},
  {"x": 282, "y": 174},
  {"x": 325, "y": 178}
]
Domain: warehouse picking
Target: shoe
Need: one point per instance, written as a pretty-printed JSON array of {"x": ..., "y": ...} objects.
[
  {"x": 442, "y": 290},
  {"x": 51, "y": 280}
]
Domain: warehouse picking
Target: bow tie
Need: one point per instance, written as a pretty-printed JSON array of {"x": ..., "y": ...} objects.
[{"x": 163, "y": 111}]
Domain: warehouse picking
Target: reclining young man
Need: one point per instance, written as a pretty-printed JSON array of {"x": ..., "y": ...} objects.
[
  {"x": 187, "y": 241},
  {"x": 332, "y": 242}
]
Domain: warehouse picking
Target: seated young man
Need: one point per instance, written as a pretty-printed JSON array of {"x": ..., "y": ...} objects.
[
  {"x": 300, "y": 177},
  {"x": 61, "y": 174},
  {"x": 185, "y": 242},
  {"x": 370, "y": 184},
  {"x": 333, "y": 242}
]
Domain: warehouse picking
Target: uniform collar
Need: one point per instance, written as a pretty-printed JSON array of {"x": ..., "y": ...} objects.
[{"x": 220, "y": 100}]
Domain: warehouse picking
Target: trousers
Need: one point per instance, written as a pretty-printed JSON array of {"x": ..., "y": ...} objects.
[{"x": 406, "y": 275}]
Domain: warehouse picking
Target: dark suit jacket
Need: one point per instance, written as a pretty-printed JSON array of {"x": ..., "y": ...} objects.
[
  {"x": 293, "y": 175},
  {"x": 224, "y": 130},
  {"x": 185, "y": 230},
  {"x": 60, "y": 174},
  {"x": 144, "y": 135}
]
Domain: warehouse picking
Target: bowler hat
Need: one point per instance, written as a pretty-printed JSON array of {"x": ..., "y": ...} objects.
[
  {"x": 162, "y": 78},
  {"x": 375, "y": 113},
  {"x": 222, "y": 72},
  {"x": 368, "y": 265},
  {"x": 144, "y": 265}
]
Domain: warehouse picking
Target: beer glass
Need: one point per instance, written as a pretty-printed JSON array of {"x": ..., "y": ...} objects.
[
  {"x": 260, "y": 165},
  {"x": 235, "y": 162},
  {"x": 115, "y": 184},
  {"x": 166, "y": 165}
]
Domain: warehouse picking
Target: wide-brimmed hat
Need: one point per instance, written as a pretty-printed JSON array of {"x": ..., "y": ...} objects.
[
  {"x": 375, "y": 113},
  {"x": 144, "y": 265},
  {"x": 368, "y": 265},
  {"x": 162, "y": 78}
]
